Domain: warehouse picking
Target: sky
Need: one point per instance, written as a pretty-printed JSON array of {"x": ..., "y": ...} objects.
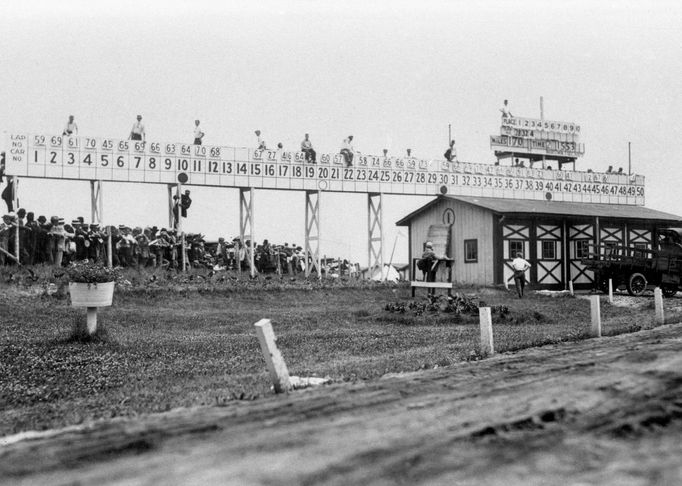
[{"x": 394, "y": 74}]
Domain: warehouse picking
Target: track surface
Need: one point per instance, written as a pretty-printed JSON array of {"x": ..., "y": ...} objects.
[{"x": 601, "y": 411}]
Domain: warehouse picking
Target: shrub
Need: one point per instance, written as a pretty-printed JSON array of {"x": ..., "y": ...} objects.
[{"x": 87, "y": 272}]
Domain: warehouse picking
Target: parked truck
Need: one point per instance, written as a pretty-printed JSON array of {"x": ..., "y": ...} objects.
[{"x": 636, "y": 268}]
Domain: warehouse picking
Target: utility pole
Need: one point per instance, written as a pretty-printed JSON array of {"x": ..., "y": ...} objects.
[{"x": 629, "y": 159}]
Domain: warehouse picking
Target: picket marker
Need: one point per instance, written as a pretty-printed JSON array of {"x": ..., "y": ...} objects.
[
  {"x": 570, "y": 286},
  {"x": 596, "y": 316},
  {"x": 610, "y": 291},
  {"x": 486, "y": 331},
  {"x": 658, "y": 300},
  {"x": 279, "y": 374}
]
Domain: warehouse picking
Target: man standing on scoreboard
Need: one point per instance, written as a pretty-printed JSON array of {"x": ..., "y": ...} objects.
[
  {"x": 198, "y": 133},
  {"x": 71, "y": 129},
  {"x": 137, "y": 132}
]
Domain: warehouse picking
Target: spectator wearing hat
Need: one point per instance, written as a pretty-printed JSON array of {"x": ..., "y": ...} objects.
[
  {"x": 261, "y": 143},
  {"x": 307, "y": 149},
  {"x": 347, "y": 150},
  {"x": 428, "y": 264},
  {"x": 57, "y": 240},
  {"x": 198, "y": 133},
  {"x": 5, "y": 227}
]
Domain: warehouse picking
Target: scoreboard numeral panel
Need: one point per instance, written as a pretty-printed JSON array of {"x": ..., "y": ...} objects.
[{"x": 87, "y": 158}]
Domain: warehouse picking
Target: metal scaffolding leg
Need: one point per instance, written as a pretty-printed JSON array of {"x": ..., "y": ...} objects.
[
  {"x": 375, "y": 236},
  {"x": 312, "y": 233},
  {"x": 246, "y": 219}
]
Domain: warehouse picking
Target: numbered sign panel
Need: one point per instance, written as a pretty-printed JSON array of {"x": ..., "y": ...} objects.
[{"x": 86, "y": 158}]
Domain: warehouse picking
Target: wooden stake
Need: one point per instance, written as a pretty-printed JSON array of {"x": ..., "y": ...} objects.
[
  {"x": 273, "y": 358},
  {"x": 92, "y": 320},
  {"x": 610, "y": 291},
  {"x": 658, "y": 300},
  {"x": 570, "y": 286},
  {"x": 596, "y": 316},
  {"x": 486, "y": 324}
]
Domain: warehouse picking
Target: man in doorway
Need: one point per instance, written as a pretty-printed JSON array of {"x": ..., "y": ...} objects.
[
  {"x": 519, "y": 265},
  {"x": 428, "y": 265},
  {"x": 137, "y": 132}
]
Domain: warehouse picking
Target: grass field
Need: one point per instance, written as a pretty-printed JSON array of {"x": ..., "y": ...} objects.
[{"x": 190, "y": 341}]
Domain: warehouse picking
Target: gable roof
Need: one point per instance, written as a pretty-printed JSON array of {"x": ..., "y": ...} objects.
[{"x": 551, "y": 208}]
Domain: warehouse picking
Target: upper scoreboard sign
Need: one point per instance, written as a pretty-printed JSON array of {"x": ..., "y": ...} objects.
[
  {"x": 534, "y": 137},
  {"x": 84, "y": 158}
]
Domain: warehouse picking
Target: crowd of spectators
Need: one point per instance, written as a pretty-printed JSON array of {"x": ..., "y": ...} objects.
[{"x": 52, "y": 241}]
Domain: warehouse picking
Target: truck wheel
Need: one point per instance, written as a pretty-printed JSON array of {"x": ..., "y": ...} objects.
[
  {"x": 669, "y": 291},
  {"x": 636, "y": 284}
]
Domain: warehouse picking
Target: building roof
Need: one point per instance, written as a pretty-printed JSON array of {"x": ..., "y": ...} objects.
[{"x": 550, "y": 208}]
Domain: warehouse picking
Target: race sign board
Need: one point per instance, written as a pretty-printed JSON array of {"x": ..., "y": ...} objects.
[
  {"x": 538, "y": 137},
  {"x": 84, "y": 158}
]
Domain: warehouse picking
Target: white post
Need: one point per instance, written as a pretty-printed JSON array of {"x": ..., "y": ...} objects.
[
  {"x": 486, "y": 324},
  {"x": 570, "y": 287},
  {"x": 610, "y": 291},
  {"x": 92, "y": 320},
  {"x": 658, "y": 300},
  {"x": 273, "y": 358},
  {"x": 596, "y": 316}
]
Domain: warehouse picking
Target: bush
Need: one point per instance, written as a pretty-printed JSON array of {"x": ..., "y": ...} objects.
[{"x": 86, "y": 272}]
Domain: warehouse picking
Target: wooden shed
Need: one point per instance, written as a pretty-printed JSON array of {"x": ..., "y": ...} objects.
[{"x": 553, "y": 236}]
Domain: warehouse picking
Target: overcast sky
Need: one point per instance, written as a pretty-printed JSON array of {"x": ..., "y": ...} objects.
[{"x": 394, "y": 74}]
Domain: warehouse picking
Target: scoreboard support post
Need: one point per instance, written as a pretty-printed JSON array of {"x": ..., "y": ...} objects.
[
  {"x": 171, "y": 218},
  {"x": 96, "y": 202},
  {"x": 15, "y": 206},
  {"x": 246, "y": 197},
  {"x": 180, "y": 232},
  {"x": 312, "y": 233},
  {"x": 375, "y": 236}
]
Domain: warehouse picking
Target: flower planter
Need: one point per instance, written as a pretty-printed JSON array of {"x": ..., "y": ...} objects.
[{"x": 91, "y": 294}]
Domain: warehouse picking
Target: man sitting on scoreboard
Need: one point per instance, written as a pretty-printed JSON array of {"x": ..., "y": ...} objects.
[
  {"x": 137, "y": 132},
  {"x": 451, "y": 153},
  {"x": 307, "y": 149},
  {"x": 71, "y": 129},
  {"x": 347, "y": 150},
  {"x": 261, "y": 142},
  {"x": 198, "y": 133}
]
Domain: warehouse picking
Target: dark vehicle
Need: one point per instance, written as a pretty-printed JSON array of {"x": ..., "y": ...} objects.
[{"x": 635, "y": 268}]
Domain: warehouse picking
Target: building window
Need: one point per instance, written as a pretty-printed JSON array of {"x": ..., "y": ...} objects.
[
  {"x": 470, "y": 251},
  {"x": 516, "y": 246},
  {"x": 548, "y": 250},
  {"x": 582, "y": 248}
]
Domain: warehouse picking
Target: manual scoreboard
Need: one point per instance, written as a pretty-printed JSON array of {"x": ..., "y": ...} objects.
[{"x": 85, "y": 158}]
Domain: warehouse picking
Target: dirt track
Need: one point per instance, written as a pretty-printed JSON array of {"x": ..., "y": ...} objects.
[{"x": 605, "y": 411}]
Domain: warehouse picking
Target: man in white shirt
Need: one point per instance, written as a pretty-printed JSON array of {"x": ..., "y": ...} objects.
[
  {"x": 137, "y": 132},
  {"x": 519, "y": 265},
  {"x": 505, "y": 111},
  {"x": 198, "y": 133},
  {"x": 71, "y": 129},
  {"x": 347, "y": 150},
  {"x": 307, "y": 149},
  {"x": 261, "y": 142}
]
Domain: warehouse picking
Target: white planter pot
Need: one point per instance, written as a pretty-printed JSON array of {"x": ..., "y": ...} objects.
[{"x": 91, "y": 295}]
